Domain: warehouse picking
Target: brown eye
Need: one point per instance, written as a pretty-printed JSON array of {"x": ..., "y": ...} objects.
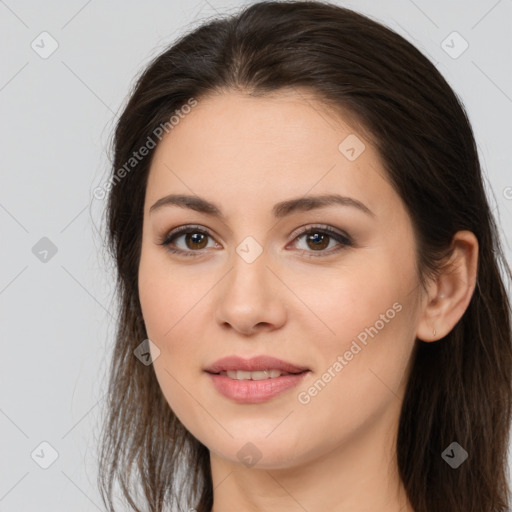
[
  {"x": 318, "y": 239},
  {"x": 195, "y": 240}
]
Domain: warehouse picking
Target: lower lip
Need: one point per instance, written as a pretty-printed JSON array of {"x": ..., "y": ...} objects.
[{"x": 254, "y": 391}]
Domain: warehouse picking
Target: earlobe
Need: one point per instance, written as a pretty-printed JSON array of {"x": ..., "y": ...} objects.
[{"x": 452, "y": 290}]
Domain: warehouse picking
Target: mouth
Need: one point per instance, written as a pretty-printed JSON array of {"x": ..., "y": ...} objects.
[
  {"x": 255, "y": 380},
  {"x": 256, "y": 375}
]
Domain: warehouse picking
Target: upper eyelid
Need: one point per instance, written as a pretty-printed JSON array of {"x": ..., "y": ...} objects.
[{"x": 302, "y": 230}]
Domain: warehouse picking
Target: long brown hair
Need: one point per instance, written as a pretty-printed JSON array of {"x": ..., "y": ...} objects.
[{"x": 459, "y": 389}]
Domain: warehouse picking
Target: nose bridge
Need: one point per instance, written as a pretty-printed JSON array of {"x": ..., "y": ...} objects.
[
  {"x": 250, "y": 274},
  {"x": 249, "y": 296}
]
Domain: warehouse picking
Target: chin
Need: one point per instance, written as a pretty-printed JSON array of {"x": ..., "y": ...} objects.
[{"x": 257, "y": 452}]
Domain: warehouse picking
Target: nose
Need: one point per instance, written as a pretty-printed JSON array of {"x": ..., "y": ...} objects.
[{"x": 251, "y": 297}]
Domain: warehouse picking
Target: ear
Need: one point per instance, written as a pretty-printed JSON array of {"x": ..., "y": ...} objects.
[{"x": 449, "y": 295}]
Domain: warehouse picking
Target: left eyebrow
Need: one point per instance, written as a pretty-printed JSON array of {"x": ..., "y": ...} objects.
[{"x": 279, "y": 210}]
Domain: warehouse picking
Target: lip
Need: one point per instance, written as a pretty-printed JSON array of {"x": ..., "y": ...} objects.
[
  {"x": 254, "y": 364},
  {"x": 254, "y": 391}
]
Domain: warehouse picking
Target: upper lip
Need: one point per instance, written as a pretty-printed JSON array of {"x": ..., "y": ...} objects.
[{"x": 253, "y": 364}]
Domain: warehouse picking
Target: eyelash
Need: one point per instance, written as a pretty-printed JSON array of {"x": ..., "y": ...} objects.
[{"x": 344, "y": 240}]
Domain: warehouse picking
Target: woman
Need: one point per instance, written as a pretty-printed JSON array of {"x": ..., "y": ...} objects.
[{"x": 307, "y": 257}]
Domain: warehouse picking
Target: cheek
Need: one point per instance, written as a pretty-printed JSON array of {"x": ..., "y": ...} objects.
[
  {"x": 343, "y": 302},
  {"x": 360, "y": 374},
  {"x": 168, "y": 299},
  {"x": 169, "y": 309},
  {"x": 364, "y": 341},
  {"x": 174, "y": 305}
]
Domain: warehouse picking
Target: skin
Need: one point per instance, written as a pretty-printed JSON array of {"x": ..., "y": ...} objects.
[{"x": 245, "y": 154}]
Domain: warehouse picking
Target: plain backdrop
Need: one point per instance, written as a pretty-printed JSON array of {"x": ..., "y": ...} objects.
[{"x": 58, "y": 109}]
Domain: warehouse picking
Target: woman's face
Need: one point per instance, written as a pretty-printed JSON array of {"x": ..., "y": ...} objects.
[{"x": 249, "y": 282}]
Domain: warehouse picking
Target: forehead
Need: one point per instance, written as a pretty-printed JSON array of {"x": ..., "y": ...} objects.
[
  {"x": 235, "y": 146},
  {"x": 283, "y": 120}
]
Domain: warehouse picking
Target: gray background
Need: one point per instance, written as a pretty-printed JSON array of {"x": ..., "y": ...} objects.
[{"x": 57, "y": 113}]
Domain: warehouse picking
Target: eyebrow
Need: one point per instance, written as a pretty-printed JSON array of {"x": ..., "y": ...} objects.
[{"x": 280, "y": 210}]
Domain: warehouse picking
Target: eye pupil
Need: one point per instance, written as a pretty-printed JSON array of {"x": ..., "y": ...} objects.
[
  {"x": 318, "y": 240},
  {"x": 196, "y": 239}
]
